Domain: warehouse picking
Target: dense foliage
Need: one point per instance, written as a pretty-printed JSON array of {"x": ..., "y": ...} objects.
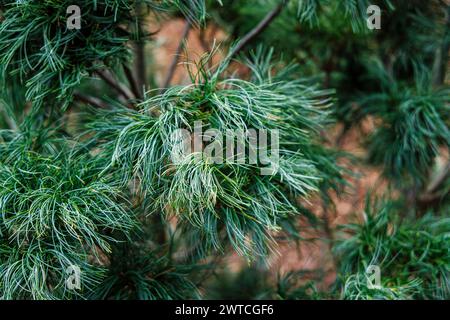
[{"x": 92, "y": 175}]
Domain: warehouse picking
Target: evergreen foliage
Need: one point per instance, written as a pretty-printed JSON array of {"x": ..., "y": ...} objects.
[
  {"x": 225, "y": 196},
  {"x": 93, "y": 177},
  {"x": 412, "y": 254}
]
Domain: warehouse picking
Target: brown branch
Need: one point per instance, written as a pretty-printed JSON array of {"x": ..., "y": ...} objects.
[
  {"x": 328, "y": 230},
  {"x": 10, "y": 122},
  {"x": 174, "y": 63},
  {"x": 432, "y": 192},
  {"x": 440, "y": 179},
  {"x": 114, "y": 84},
  {"x": 203, "y": 41},
  {"x": 90, "y": 100},
  {"x": 262, "y": 25},
  {"x": 133, "y": 82},
  {"x": 140, "y": 65},
  {"x": 441, "y": 58}
]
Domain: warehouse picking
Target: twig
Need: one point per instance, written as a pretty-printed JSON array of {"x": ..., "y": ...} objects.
[
  {"x": 441, "y": 59},
  {"x": 329, "y": 233},
  {"x": 90, "y": 100},
  {"x": 259, "y": 28},
  {"x": 440, "y": 179},
  {"x": 203, "y": 41},
  {"x": 117, "y": 86},
  {"x": 173, "y": 65},
  {"x": 133, "y": 82},
  {"x": 431, "y": 192},
  {"x": 140, "y": 64},
  {"x": 10, "y": 122}
]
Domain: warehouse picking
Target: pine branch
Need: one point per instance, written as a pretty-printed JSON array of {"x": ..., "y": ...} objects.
[
  {"x": 114, "y": 84},
  {"x": 431, "y": 194},
  {"x": 259, "y": 28},
  {"x": 442, "y": 54},
  {"x": 90, "y": 100},
  {"x": 133, "y": 82},
  {"x": 140, "y": 66},
  {"x": 140, "y": 61},
  {"x": 9, "y": 120},
  {"x": 202, "y": 39}
]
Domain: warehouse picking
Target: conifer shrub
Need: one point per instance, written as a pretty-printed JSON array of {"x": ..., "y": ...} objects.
[{"x": 115, "y": 184}]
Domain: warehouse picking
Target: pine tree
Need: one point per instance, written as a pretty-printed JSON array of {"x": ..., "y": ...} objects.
[{"x": 96, "y": 183}]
